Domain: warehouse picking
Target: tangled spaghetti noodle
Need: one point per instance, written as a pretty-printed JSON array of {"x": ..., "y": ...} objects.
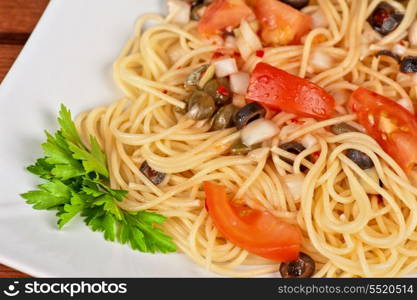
[{"x": 346, "y": 230}]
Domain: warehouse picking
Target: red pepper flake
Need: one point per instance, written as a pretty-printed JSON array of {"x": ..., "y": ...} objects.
[
  {"x": 165, "y": 91},
  {"x": 237, "y": 54},
  {"x": 297, "y": 121},
  {"x": 260, "y": 53},
  {"x": 223, "y": 91},
  {"x": 402, "y": 43},
  {"x": 315, "y": 156},
  {"x": 216, "y": 55}
]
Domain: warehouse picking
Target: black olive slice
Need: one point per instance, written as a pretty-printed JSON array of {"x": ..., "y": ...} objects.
[
  {"x": 153, "y": 175},
  {"x": 390, "y": 54},
  {"x": 360, "y": 158},
  {"x": 250, "y": 112},
  {"x": 384, "y": 19},
  {"x": 297, "y": 4},
  {"x": 409, "y": 64},
  {"x": 303, "y": 267}
]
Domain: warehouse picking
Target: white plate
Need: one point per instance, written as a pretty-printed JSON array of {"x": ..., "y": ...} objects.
[{"x": 67, "y": 60}]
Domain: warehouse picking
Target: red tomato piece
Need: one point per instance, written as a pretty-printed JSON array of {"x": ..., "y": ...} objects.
[
  {"x": 390, "y": 124},
  {"x": 281, "y": 24},
  {"x": 280, "y": 90},
  {"x": 221, "y": 14},
  {"x": 259, "y": 232}
]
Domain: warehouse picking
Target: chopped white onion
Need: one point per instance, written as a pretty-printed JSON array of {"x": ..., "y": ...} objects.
[
  {"x": 175, "y": 52},
  {"x": 258, "y": 154},
  {"x": 412, "y": 34},
  {"x": 399, "y": 49},
  {"x": 294, "y": 183},
  {"x": 319, "y": 19},
  {"x": 239, "y": 100},
  {"x": 247, "y": 41},
  {"x": 239, "y": 82},
  {"x": 180, "y": 10},
  {"x": 244, "y": 48},
  {"x": 414, "y": 78},
  {"x": 258, "y": 131},
  {"x": 340, "y": 96},
  {"x": 406, "y": 103},
  {"x": 308, "y": 141},
  {"x": 321, "y": 61},
  {"x": 250, "y": 36},
  {"x": 230, "y": 42},
  {"x": 225, "y": 67},
  {"x": 374, "y": 176}
]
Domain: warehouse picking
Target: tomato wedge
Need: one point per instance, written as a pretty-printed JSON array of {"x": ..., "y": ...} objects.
[
  {"x": 280, "y": 90},
  {"x": 256, "y": 231},
  {"x": 281, "y": 24},
  {"x": 390, "y": 124},
  {"x": 221, "y": 14}
]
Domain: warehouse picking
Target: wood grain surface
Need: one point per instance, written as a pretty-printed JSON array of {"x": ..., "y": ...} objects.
[{"x": 17, "y": 20}]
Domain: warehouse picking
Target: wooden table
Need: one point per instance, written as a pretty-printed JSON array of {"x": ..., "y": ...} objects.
[{"x": 17, "y": 20}]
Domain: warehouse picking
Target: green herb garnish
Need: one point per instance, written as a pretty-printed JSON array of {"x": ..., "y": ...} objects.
[{"x": 77, "y": 184}]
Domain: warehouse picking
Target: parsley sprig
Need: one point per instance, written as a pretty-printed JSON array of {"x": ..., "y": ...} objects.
[{"x": 77, "y": 184}]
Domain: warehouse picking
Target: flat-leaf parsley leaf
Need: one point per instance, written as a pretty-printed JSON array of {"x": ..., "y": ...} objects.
[{"x": 77, "y": 184}]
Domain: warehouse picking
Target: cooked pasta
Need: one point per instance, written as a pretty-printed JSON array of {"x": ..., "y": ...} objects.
[{"x": 354, "y": 222}]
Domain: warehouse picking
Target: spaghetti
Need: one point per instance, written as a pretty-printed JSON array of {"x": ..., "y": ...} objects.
[{"x": 348, "y": 231}]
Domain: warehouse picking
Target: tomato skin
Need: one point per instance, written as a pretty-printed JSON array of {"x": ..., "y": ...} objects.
[
  {"x": 221, "y": 14},
  {"x": 390, "y": 124},
  {"x": 279, "y": 90},
  {"x": 281, "y": 24},
  {"x": 257, "y": 231}
]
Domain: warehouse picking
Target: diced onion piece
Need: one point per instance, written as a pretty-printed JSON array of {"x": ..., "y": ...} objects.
[
  {"x": 374, "y": 176},
  {"x": 247, "y": 41},
  {"x": 258, "y": 131},
  {"x": 180, "y": 11},
  {"x": 340, "y": 96},
  {"x": 319, "y": 19},
  {"x": 399, "y": 49},
  {"x": 308, "y": 141},
  {"x": 294, "y": 183},
  {"x": 230, "y": 42},
  {"x": 258, "y": 154},
  {"x": 239, "y": 100},
  {"x": 412, "y": 34},
  {"x": 244, "y": 48},
  {"x": 250, "y": 36},
  {"x": 225, "y": 67},
  {"x": 175, "y": 52},
  {"x": 406, "y": 103},
  {"x": 239, "y": 82},
  {"x": 320, "y": 61}
]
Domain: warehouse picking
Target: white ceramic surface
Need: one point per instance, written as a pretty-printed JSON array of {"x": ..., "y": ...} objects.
[{"x": 67, "y": 60}]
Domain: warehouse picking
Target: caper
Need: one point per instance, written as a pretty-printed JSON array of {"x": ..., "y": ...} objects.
[
  {"x": 194, "y": 77},
  {"x": 250, "y": 112},
  {"x": 360, "y": 158},
  {"x": 303, "y": 267},
  {"x": 200, "y": 106},
  {"x": 219, "y": 89},
  {"x": 239, "y": 148},
  {"x": 154, "y": 176},
  {"x": 342, "y": 128},
  {"x": 224, "y": 117}
]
